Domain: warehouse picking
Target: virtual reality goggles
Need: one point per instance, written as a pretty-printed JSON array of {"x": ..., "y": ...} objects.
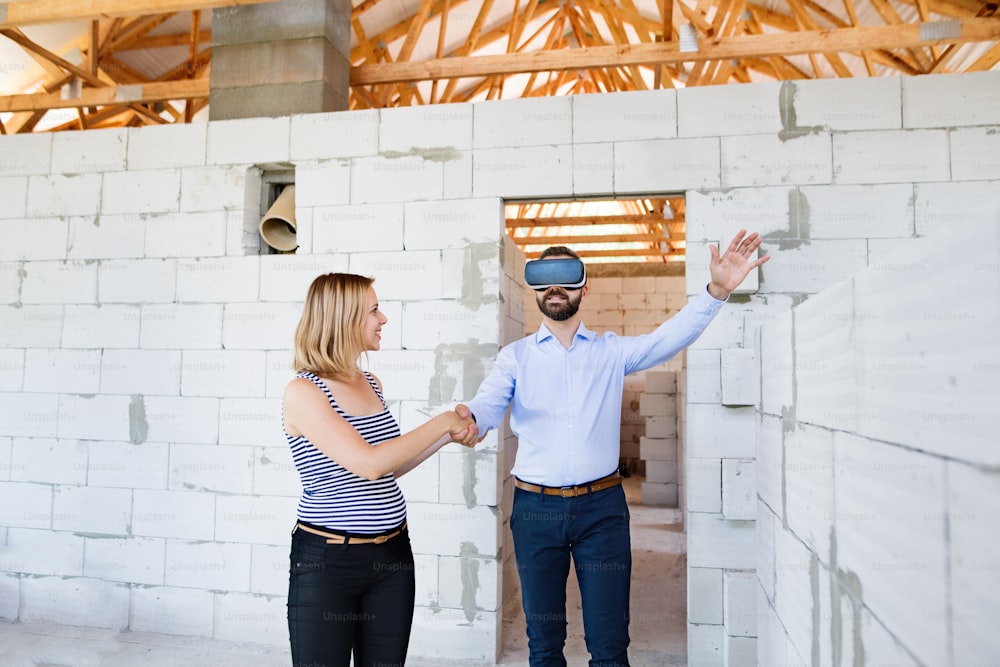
[{"x": 541, "y": 274}]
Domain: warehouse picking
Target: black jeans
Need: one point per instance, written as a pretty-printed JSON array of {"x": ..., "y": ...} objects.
[
  {"x": 593, "y": 532},
  {"x": 344, "y": 597}
]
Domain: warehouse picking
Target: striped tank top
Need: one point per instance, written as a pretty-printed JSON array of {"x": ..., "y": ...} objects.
[{"x": 336, "y": 498}]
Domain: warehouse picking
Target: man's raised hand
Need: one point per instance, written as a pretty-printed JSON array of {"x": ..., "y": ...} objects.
[{"x": 729, "y": 270}]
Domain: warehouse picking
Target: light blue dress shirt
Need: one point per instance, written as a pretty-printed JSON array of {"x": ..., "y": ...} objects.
[{"x": 566, "y": 403}]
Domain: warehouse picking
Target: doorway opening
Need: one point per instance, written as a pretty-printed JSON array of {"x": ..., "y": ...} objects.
[{"x": 634, "y": 250}]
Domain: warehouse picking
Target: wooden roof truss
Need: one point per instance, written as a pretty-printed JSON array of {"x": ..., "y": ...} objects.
[{"x": 512, "y": 48}]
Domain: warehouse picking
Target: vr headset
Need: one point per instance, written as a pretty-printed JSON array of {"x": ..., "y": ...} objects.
[{"x": 541, "y": 274}]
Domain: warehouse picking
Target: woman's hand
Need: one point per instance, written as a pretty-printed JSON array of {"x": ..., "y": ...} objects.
[{"x": 462, "y": 429}]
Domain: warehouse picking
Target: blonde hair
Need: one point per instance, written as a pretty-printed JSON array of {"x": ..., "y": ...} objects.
[{"x": 328, "y": 338}]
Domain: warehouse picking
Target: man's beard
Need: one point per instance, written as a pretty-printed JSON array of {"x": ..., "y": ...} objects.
[{"x": 559, "y": 312}]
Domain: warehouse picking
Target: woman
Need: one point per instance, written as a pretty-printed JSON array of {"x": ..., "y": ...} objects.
[{"x": 351, "y": 585}]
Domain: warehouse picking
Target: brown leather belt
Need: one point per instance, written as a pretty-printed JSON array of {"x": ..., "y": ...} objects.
[
  {"x": 334, "y": 538},
  {"x": 571, "y": 491}
]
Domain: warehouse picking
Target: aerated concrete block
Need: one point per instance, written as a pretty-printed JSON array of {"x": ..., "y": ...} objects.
[
  {"x": 808, "y": 484},
  {"x": 661, "y": 382},
  {"x": 248, "y": 141},
  {"x": 208, "y": 468},
  {"x": 847, "y": 104},
  {"x": 182, "y": 419},
  {"x": 739, "y": 489},
  {"x": 661, "y": 427},
  {"x": 440, "y": 127},
  {"x": 43, "y": 552},
  {"x": 137, "y": 280},
  {"x": 859, "y": 211},
  {"x": 10, "y": 597},
  {"x": 705, "y": 595},
  {"x": 323, "y": 183},
  {"x": 941, "y": 208},
  {"x": 79, "y": 371},
  {"x": 974, "y": 154},
  {"x": 432, "y": 225},
  {"x": 627, "y": 116},
  {"x": 185, "y": 235},
  {"x": 179, "y": 514},
  {"x": 207, "y": 565},
  {"x": 59, "y": 282},
  {"x": 250, "y": 421},
  {"x": 124, "y": 465},
  {"x": 98, "y": 150},
  {"x": 397, "y": 178},
  {"x": 593, "y": 169},
  {"x": 38, "y": 238},
  {"x": 185, "y": 326},
  {"x": 644, "y": 166},
  {"x": 97, "y": 417},
  {"x": 729, "y": 110},
  {"x": 241, "y": 615},
  {"x": 740, "y": 604},
  {"x": 106, "y": 237},
  {"x": 974, "y": 561},
  {"x": 30, "y": 415},
  {"x": 76, "y": 194},
  {"x": 26, "y": 154},
  {"x": 76, "y": 601},
  {"x": 169, "y": 610},
  {"x": 522, "y": 122},
  {"x": 705, "y": 645},
  {"x": 218, "y": 279},
  {"x": 167, "y": 146},
  {"x": 661, "y": 472},
  {"x": 658, "y": 405},
  {"x": 951, "y": 100},
  {"x": 531, "y": 171},
  {"x": 658, "y": 449},
  {"x": 770, "y": 159},
  {"x": 332, "y": 135},
  {"x": 890, "y": 156},
  {"x": 740, "y": 377},
  {"x": 909, "y": 488},
  {"x": 134, "y": 559},
  {"x": 140, "y": 192},
  {"x": 47, "y": 460}
]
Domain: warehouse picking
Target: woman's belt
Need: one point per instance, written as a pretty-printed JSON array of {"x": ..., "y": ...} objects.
[{"x": 337, "y": 538}]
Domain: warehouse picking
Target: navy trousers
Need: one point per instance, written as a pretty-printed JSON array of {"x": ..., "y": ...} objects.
[
  {"x": 345, "y": 598},
  {"x": 593, "y": 532}
]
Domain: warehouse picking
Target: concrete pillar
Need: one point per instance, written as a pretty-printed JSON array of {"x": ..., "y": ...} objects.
[{"x": 280, "y": 58}]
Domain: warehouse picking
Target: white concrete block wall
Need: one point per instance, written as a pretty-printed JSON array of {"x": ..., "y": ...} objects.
[
  {"x": 881, "y": 524},
  {"x": 50, "y": 212}
]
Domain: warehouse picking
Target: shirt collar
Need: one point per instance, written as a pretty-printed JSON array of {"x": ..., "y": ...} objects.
[{"x": 543, "y": 333}]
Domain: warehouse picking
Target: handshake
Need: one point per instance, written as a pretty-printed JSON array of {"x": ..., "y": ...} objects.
[{"x": 462, "y": 427}]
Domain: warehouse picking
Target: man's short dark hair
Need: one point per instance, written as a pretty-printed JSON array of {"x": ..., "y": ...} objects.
[{"x": 558, "y": 250}]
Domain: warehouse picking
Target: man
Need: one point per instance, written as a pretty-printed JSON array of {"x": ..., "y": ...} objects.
[{"x": 565, "y": 383}]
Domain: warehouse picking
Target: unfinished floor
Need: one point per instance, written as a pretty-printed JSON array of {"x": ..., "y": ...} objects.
[{"x": 658, "y": 626}]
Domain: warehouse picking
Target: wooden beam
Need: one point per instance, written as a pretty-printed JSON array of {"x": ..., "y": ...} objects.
[
  {"x": 25, "y": 43},
  {"x": 806, "y": 20},
  {"x": 810, "y": 41},
  {"x": 891, "y": 17},
  {"x": 15, "y": 14},
  {"x": 470, "y": 44},
  {"x": 575, "y": 240},
  {"x": 987, "y": 60},
  {"x": 622, "y": 252},
  {"x": 584, "y": 220},
  {"x": 849, "y": 7},
  {"x": 109, "y": 95},
  {"x": 397, "y": 31}
]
